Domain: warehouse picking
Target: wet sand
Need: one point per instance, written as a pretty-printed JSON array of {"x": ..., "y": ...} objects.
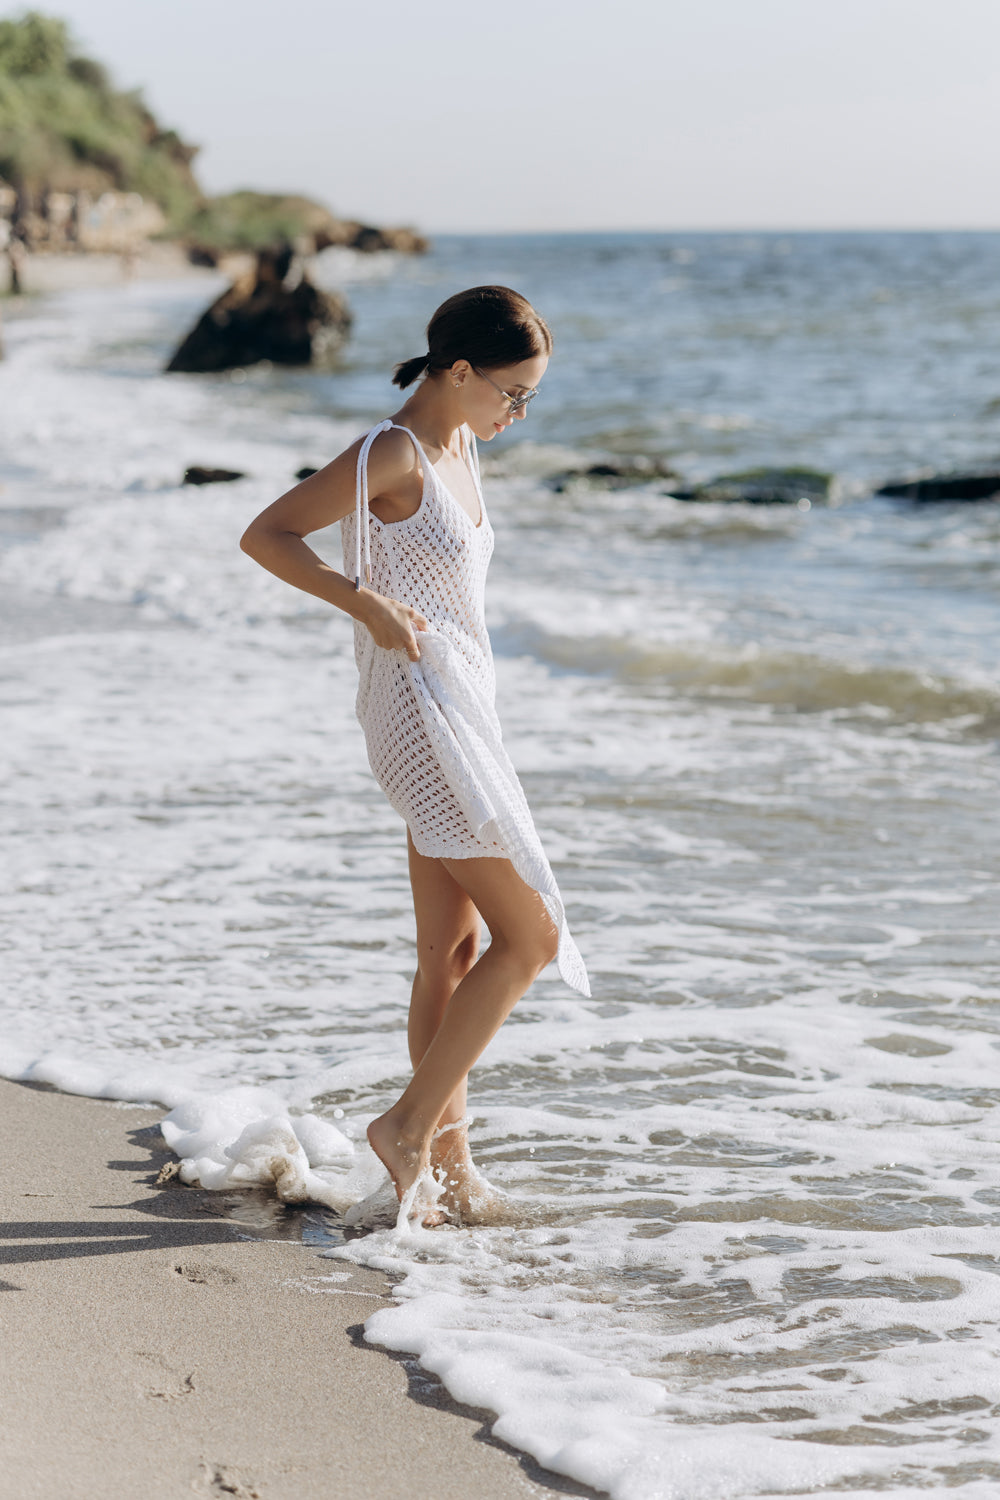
[{"x": 152, "y": 1349}]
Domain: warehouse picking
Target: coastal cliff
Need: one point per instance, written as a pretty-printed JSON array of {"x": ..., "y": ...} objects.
[{"x": 87, "y": 167}]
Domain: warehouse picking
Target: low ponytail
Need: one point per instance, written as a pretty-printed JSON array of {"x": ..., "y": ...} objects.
[{"x": 406, "y": 373}]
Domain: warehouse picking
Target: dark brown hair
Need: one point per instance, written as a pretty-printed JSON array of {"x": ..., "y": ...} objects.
[{"x": 490, "y": 326}]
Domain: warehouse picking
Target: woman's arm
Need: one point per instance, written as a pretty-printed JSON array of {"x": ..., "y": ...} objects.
[{"x": 276, "y": 538}]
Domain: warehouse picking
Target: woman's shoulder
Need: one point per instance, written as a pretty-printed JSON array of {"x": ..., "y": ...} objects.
[
  {"x": 390, "y": 451},
  {"x": 394, "y": 473},
  {"x": 394, "y": 442}
]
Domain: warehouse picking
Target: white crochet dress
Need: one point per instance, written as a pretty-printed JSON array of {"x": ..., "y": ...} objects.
[{"x": 433, "y": 736}]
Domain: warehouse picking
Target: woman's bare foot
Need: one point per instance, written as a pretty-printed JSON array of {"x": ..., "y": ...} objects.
[
  {"x": 406, "y": 1161},
  {"x": 466, "y": 1195}
]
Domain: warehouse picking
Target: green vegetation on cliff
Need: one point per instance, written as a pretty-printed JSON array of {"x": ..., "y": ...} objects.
[
  {"x": 246, "y": 220},
  {"x": 64, "y": 127}
]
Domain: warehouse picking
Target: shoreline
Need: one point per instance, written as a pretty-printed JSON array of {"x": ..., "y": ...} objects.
[
  {"x": 44, "y": 273},
  {"x": 157, "y": 1346}
]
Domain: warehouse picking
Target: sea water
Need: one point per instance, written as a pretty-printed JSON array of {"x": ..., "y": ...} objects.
[{"x": 754, "y": 1181}]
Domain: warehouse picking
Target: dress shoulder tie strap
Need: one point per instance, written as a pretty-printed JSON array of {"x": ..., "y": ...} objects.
[
  {"x": 470, "y": 443},
  {"x": 362, "y": 538}
]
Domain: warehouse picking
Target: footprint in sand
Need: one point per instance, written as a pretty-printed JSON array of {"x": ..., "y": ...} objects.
[
  {"x": 206, "y": 1274},
  {"x": 169, "y": 1383},
  {"x": 222, "y": 1480}
]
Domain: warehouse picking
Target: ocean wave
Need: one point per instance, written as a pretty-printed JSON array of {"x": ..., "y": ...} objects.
[{"x": 802, "y": 681}]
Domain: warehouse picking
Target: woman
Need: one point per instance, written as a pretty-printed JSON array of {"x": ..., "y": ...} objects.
[{"x": 414, "y": 523}]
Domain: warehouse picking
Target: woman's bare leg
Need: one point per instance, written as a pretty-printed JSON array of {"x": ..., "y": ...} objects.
[
  {"x": 524, "y": 941},
  {"x": 448, "y": 931}
]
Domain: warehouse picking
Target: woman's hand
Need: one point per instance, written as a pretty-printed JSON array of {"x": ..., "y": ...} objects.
[{"x": 392, "y": 625}]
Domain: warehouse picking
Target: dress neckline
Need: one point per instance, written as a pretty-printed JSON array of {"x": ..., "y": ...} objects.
[{"x": 467, "y": 451}]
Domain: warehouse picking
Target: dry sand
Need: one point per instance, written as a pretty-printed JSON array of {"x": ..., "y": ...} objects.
[
  {"x": 156, "y": 261},
  {"x": 152, "y": 1351}
]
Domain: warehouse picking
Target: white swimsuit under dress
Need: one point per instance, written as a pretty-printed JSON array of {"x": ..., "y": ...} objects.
[{"x": 433, "y": 736}]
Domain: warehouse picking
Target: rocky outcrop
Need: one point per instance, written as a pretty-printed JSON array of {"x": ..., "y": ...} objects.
[
  {"x": 274, "y": 313},
  {"x": 108, "y": 223},
  {"x": 945, "y": 487},
  {"x": 247, "y": 220},
  {"x": 89, "y": 167},
  {"x": 370, "y": 240},
  {"x": 613, "y": 474},
  {"x": 803, "y": 487}
]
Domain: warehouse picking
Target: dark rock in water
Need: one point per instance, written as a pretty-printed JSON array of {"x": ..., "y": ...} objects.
[
  {"x": 197, "y": 475},
  {"x": 803, "y": 487},
  {"x": 370, "y": 240},
  {"x": 272, "y": 313},
  {"x": 944, "y": 487},
  {"x": 613, "y": 475},
  {"x": 305, "y": 473},
  {"x": 203, "y": 255}
]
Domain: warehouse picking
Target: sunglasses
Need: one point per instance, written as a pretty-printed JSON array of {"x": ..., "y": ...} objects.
[{"x": 514, "y": 403}]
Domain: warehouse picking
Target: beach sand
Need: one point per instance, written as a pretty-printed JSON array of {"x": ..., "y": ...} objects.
[
  {"x": 151, "y": 1349},
  {"x": 64, "y": 272},
  {"x": 157, "y": 260}
]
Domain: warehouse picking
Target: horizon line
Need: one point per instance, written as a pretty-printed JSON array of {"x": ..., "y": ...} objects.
[{"x": 730, "y": 229}]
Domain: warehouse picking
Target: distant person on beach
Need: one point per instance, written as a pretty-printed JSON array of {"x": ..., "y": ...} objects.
[
  {"x": 16, "y": 247},
  {"x": 417, "y": 542}
]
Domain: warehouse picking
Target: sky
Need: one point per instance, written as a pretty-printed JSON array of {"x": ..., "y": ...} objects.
[{"x": 477, "y": 115}]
